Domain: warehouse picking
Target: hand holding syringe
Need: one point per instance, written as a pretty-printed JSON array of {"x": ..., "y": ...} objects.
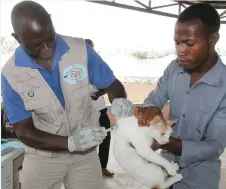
[{"x": 111, "y": 128}]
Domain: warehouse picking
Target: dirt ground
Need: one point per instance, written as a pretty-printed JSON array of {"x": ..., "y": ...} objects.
[{"x": 136, "y": 92}]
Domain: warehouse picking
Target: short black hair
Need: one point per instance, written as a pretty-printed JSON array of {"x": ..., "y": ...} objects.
[
  {"x": 90, "y": 42},
  {"x": 203, "y": 11},
  {"x": 27, "y": 11}
]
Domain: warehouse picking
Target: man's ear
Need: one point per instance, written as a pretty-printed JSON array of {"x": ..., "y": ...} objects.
[
  {"x": 16, "y": 37},
  {"x": 214, "y": 39}
]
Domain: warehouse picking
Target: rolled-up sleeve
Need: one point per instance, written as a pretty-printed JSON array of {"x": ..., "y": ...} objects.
[
  {"x": 213, "y": 144},
  {"x": 159, "y": 96},
  {"x": 100, "y": 74}
]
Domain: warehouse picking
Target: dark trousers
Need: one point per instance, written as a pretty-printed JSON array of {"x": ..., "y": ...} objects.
[{"x": 105, "y": 146}]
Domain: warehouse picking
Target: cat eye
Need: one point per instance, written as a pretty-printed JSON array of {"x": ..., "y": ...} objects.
[{"x": 162, "y": 134}]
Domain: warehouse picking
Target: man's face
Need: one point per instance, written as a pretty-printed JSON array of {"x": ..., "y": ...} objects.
[
  {"x": 192, "y": 44},
  {"x": 38, "y": 40}
]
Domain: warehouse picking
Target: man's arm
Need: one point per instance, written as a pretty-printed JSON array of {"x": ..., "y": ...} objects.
[
  {"x": 101, "y": 76},
  {"x": 31, "y": 136},
  {"x": 156, "y": 100},
  {"x": 158, "y": 97},
  {"x": 210, "y": 148},
  {"x": 115, "y": 90},
  {"x": 23, "y": 124}
]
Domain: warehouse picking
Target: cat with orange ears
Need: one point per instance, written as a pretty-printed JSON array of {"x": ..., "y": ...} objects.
[{"x": 133, "y": 153}]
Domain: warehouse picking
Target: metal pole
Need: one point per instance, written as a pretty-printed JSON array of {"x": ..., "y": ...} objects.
[
  {"x": 143, "y": 5},
  {"x": 149, "y": 3},
  {"x": 222, "y": 14},
  {"x": 129, "y": 7},
  {"x": 179, "y": 8},
  {"x": 163, "y": 6}
]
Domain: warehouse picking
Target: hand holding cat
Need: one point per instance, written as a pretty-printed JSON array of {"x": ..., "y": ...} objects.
[
  {"x": 174, "y": 146},
  {"x": 145, "y": 115},
  {"x": 155, "y": 145}
]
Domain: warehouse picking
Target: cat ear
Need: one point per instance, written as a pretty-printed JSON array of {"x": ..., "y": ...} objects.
[{"x": 171, "y": 122}]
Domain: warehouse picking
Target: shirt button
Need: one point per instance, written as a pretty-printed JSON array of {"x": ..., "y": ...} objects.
[
  {"x": 183, "y": 115},
  {"x": 188, "y": 92}
]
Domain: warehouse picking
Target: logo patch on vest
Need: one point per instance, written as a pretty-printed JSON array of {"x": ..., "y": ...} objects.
[{"x": 75, "y": 73}]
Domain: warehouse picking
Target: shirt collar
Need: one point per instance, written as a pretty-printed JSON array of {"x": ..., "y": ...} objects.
[
  {"x": 23, "y": 59},
  {"x": 213, "y": 76}
]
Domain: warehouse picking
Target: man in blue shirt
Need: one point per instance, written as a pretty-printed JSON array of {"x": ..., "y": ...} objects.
[
  {"x": 195, "y": 85},
  {"x": 41, "y": 48}
]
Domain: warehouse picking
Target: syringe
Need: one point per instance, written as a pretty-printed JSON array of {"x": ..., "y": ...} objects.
[{"x": 111, "y": 128}]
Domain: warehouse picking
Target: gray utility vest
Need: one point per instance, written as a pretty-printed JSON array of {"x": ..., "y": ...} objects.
[{"x": 47, "y": 113}]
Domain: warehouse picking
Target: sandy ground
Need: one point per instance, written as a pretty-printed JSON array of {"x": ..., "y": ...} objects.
[{"x": 136, "y": 92}]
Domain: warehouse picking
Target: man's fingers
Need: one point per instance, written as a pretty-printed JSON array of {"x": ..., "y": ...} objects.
[
  {"x": 124, "y": 109},
  {"x": 89, "y": 145},
  {"x": 97, "y": 129},
  {"x": 140, "y": 117},
  {"x": 86, "y": 138},
  {"x": 99, "y": 138},
  {"x": 148, "y": 121},
  {"x": 147, "y": 116},
  {"x": 100, "y": 134},
  {"x": 136, "y": 111},
  {"x": 144, "y": 120},
  {"x": 155, "y": 145},
  {"x": 129, "y": 106}
]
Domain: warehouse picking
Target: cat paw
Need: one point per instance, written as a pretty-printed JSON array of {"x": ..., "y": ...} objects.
[
  {"x": 175, "y": 165},
  {"x": 178, "y": 177},
  {"x": 171, "y": 169}
]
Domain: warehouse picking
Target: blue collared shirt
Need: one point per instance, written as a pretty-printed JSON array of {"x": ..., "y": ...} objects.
[
  {"x": 200, "y": 111},
  {"x": 100, "y": 75}
]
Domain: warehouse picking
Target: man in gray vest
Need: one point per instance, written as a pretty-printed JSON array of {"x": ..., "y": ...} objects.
[{"x": 46, "y": 88}]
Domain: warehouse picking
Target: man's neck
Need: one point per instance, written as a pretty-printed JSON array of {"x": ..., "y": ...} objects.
[
  {"x": 206, "y": 66},
  {"x": 197, "y": 74},
  {"x": 47, "y": 64}
]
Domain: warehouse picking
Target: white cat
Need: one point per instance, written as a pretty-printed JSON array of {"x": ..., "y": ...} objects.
[{"x": 142, "y": 163}]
